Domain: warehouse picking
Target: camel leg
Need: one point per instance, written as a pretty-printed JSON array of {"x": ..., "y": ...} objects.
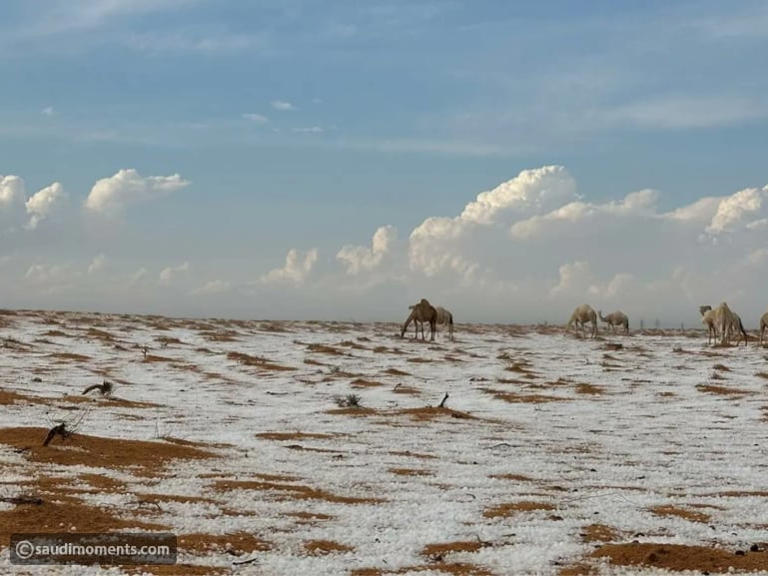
[{"x": 432, "y": 329}]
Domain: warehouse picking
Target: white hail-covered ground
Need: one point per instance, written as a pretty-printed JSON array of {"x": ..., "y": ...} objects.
[{"x": 648, "y": 434}]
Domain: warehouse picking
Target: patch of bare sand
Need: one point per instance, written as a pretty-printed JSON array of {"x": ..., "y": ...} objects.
[
  {"x": 143, "y": 457},
  {"x": 290, "y": 491},
  {"x": 516, "y": 398},
  {"x": 669, "y": 510},
  {"x": 451, "y": 568},
  {"x": 600, "y": 533},
  {"x": 61, "y": 510},
  {"x": 323, "y": 547},
  {"x": 411, "y": 472},
  {"x": 363, "y": 383},
  {"x": 412, "y": 454},
  {"x": 405, "y": 389},
  {"x": 323, "y": 349},
  {"x": 722, "y": 390},
  {"x": 236, "y": 543},
  {"x": 513, "y": 477},
  {"x": 258, "y": 362},
  {"x": 591, "y": 389},
  {"x": 679, "y": 557},
  {"x": 511, "y": 508},
  {"x": 292, "y": 435},
  {"x": 178, "y": 569},
  {"x": 443, "y": 548}
]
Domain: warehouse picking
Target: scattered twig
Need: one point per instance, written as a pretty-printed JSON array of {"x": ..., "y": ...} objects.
[
  {"x": 60, "y": 430},
  {"x": 442, "y": 402},
  {"x": 105, "y": 388},
  {"x": 19, "y": 500},
  {"x": 249, "y": 561}
]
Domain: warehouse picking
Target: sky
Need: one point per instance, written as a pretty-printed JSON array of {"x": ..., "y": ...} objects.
[{"x": 300, "y": 159}]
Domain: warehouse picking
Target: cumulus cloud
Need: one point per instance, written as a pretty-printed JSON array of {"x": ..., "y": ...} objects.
[
  {"x": 169, "y": 275},
  {"x": 734, "y": 209},
  {"x": 43, "y": 203},
  {"x": 111, "y": 195},
  {"x": 297, "y": 268},
  {"x": 440, "y": 244},
  {"x": 48, "y": 111},
  {"x": 357, "y": 259},
  {"x": 12, "y": 191}
]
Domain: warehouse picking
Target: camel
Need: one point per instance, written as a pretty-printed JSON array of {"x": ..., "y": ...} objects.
[
  {"x": 422, "y": 312},
  {"x": 443, "y": 317},
  {"x": 581, "y": 315},
  {"x": 728, "y": 322},
  {"x": 708, "y": 318},
  {"x": 763, "y": 326},
  {"x": 614, "y": 319}
]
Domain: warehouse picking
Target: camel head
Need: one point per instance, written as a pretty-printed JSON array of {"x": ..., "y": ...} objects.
[{"x": 704, "y": 309}]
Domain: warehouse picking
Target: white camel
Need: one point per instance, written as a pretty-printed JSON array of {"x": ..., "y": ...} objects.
[
  {"x": 729, "y": 322},
  {"x": 709, "y": 320},
  {"x": 614, "y": 319},
  {"x": 581, "y": 315},
  {"x": 763, "y": 326}
]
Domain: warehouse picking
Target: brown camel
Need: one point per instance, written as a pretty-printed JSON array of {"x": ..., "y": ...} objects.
[
  {"x": 614, "y": 319},
  {"x": 581, "y": 315},
  {"x": 422, "y": 312}
]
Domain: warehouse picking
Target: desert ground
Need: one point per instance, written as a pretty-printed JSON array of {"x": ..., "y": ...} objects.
[{"x": 319, "y": 448}]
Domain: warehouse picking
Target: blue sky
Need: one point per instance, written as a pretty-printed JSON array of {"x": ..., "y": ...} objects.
[{"x": 308, "y": 125}]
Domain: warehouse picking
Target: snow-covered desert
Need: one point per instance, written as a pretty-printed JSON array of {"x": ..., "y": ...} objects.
[{"x": 319, "y": 448}]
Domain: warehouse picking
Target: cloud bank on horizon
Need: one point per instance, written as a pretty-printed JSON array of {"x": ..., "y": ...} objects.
[{"x": 528, "y": 250}]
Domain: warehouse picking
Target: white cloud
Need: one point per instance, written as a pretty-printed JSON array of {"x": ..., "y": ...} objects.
[
  {"x": 309, "y": 130},
  {"x": 282, "y": 105},
  {"x": 575, "y": 278},
  {"x": 640, "y": 203},
  {"x": 439, "y": 244},
  {"x": 213, "y": 287},
  {"x": 12, "y": 191},
  {"x": 256, "y": 118},
  {"x": 732, "y": 210},
  {"x": 169, "y": 275},
  {"x": 97, "y": 264},
  {"x": 43, "y": 203},
  {"x": 111, "y": 195},
  {"x": 48, "y": 111},
  {"x": 296, "y": 270},
  {"x": 359, "y": 259}
]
